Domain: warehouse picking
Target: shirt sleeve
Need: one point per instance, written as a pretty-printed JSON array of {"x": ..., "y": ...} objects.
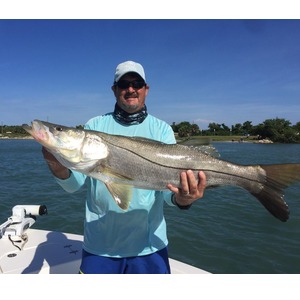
[
  {"x": 73, "y": 183},
  {"x": 165, "y": 196}
]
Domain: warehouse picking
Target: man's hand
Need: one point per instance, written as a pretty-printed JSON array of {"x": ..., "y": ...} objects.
[
  {"x": 191, "y": 188},
  {"x": 57, "y": 169}
]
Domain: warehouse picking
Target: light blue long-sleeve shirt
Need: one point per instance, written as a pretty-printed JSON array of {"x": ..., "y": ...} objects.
[{"x": 108, "y": 230}]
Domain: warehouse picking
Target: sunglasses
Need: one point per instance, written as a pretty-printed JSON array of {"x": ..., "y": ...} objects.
[{"x": 125, "y": 84}]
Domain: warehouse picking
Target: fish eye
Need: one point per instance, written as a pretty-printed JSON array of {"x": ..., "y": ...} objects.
[{"x": 58, "y": 128}]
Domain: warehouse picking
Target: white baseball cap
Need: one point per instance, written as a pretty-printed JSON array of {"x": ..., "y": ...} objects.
[{"x": 128, "y": 67}]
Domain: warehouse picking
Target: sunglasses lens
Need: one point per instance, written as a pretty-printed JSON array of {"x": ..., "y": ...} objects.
[
  {"x": 124, "y": 84},
  {"x": 138, "y": 84}
]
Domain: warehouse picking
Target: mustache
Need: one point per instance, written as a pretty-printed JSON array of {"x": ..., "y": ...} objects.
[{"x": 131, "y": 95}]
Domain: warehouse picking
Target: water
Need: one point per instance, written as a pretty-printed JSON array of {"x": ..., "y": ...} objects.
[{"x": 228, "y": 231}]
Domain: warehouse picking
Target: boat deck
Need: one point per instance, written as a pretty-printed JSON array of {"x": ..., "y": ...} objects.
[{"x": 50, "y": 252}]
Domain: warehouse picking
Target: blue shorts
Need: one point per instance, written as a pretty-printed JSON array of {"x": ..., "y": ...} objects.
[{"x": 155, "y": 263}]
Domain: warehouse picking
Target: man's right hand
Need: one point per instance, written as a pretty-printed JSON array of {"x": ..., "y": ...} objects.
[{"x": 57, "y": 169}]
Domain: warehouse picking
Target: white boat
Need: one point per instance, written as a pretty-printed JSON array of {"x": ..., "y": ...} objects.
[{"x": 24, "y": 250}]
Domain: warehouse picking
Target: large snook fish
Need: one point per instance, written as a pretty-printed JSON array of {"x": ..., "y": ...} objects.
[{"x": 125, "y": 162}]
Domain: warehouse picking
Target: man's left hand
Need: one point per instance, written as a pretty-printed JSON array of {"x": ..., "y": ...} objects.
[{"x": 191, "y": 188}]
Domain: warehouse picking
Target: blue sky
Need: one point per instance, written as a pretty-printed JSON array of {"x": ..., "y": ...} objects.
[{"x": 200, "y": 71}]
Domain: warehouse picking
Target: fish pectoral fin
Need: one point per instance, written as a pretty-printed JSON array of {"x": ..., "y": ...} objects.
[{"x": 121, "y": 193}]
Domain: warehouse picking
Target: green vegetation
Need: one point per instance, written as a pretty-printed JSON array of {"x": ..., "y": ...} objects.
[
  {"x": 12, "y": 132},
  {"x": 17, "y": 132},
  {"x": 277, "y": 130}
]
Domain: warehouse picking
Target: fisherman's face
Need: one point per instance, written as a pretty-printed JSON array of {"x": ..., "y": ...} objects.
[{"x": 131, "y": 93}]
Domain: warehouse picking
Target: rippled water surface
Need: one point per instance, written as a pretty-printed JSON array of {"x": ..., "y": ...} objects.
[{"x": 228, "y": 231}]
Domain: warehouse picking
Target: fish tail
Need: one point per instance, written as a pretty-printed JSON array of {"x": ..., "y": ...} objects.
[{"x": 278, "y": 177}]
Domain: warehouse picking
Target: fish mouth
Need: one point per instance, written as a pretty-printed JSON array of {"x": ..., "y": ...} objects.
[
  {"x": 37, "y": 130},
  {"x": 27, "y": 128}
]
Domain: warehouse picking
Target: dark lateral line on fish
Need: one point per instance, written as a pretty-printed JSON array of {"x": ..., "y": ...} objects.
[{"x": 184, "y": 169}]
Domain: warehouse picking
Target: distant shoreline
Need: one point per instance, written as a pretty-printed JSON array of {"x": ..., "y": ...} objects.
[
  {"x": 16, "y": 138},
  {"x": 211, "y": 138}
]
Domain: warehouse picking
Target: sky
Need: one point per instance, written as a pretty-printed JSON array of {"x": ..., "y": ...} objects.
[{"x": 199, "y": 70}]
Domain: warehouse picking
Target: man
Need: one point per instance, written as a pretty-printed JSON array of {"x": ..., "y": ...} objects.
[{"x": 134, "y": 241}]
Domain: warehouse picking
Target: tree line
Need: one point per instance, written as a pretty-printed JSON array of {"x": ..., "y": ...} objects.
[
  {"x": 277, "y": 130},
  {"x": 17, "y": 131}
]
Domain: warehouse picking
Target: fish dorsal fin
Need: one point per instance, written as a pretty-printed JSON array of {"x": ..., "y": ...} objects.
[
  {"x": 208, "y": 149},
  {"x": 121, "y": 193}
]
